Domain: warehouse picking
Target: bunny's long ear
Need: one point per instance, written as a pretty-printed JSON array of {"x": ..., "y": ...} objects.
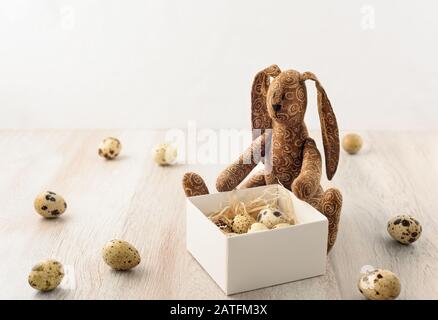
[
  {"x": 329, "y": 127},
  {"x": 259, "y": 112}
]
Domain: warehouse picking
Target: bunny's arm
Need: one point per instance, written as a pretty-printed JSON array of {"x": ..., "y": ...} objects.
[
  {"x": 234, "y": 174},
  {"x": 308, "y": 181}
]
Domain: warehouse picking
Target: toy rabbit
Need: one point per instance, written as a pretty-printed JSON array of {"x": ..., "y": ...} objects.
[{"x": 289, "y": 154}]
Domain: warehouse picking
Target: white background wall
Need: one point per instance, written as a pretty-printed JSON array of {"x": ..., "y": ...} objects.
[{"x": 114, "y": 63}]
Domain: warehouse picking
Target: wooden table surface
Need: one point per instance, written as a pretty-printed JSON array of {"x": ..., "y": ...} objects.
[{"x": 133, "y": 199}]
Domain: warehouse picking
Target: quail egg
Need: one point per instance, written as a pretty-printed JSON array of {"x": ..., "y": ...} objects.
[
  {"x": 49, "y": 204},
  {"x": 241, "y": 223},
  {"x": 165, "y": 154},
  {"x": 352, "y": 143},
  {"x": 404, "y": 229},
  {"x": 120, "y": 255},
  {"x": 379, "y": 284},
  {"x": 46, "y": 275},
  {"x": 256, "y": 227},
  {"x": 270, "y": 217},
  {"x": 110, "y": 148}
]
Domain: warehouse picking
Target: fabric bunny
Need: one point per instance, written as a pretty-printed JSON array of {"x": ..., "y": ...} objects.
[{"x": 281, "y": 141}]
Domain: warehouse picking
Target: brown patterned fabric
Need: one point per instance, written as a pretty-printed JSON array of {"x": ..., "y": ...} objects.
[
  {"x": 282, "y": 142},
  {"x": 260, "y": 119},
  {"x": 308, "y": 181},
  {"x": 329, "y": 127},
  {"x": 194, "y": 185},
  {"x": 232, "y": 176},
  {"x": 329, "y": 203},
  {"x": 256, "y": 180}
]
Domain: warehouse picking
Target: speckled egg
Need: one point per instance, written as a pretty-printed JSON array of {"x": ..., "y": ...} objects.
[
  {"x": 165, "y": 154},
  {"x": 380, "y": 284},
  {"x": 241, "y": 223},
  {"x": 352, "y": 143},
  {"x": 256, "y": 227},
  {"x": 281, "y": 225},
  {"x": 404, "y": 229},
  {"x": 120, "y": 255},
  {"x": 46, "y": 275},
  {"x": 110, "y": 148},
  {"x": 270, "y": 217},
  {"x": 49, "y": 204},
  {"x": 223, "y": 223}
]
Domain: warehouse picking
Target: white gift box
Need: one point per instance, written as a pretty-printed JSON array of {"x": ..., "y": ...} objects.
[{"x": 255, "y": 260}]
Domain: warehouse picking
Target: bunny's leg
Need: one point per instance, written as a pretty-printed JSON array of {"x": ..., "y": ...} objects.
[
  {"x": 329, "y": 203},
  {"x": 308, "y": 181},
  {"x": 232, "y": 176},
  {"x": 307, "y": 187},
  {"x": 194, "y": 185}
]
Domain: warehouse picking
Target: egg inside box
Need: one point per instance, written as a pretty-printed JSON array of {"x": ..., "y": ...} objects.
[{"x": 255, "y": 260}]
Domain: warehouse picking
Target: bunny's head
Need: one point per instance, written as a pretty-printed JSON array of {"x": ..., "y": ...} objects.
[{"x": 284, "y": 100}]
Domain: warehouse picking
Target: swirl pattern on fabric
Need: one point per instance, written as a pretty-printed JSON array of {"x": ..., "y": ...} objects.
[{"x": 194, "y": 185}]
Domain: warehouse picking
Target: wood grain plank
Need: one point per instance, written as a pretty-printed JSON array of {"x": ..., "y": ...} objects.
[{"x": 133, "y": 199}]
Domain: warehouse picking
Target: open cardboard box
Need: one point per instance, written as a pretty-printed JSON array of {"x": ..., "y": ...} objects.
[{"x": 255, "y": 260}]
